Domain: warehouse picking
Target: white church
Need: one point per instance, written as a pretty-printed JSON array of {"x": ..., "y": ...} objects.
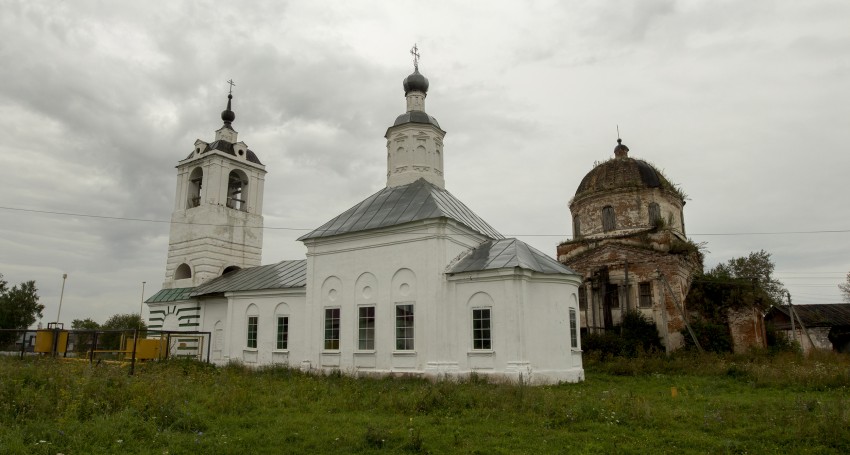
[{"x": 408, "y": 281}]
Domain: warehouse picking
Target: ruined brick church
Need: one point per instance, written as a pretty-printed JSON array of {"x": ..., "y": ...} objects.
[{"x": 630, "y": 247}]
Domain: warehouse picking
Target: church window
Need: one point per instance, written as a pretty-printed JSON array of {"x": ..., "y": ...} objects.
[
  {"x": 481, "y": 338},
  {"x": 573, "y": 329},
  {"x": 229, "y": 269},
  {"x": 366, "y": 328},
  {"x": 404, "y": 327},
  {"x": 331, "y": 328},
  {"x": 582, "y": 298},
  {"x": 196, "y": 179},
  {"x": 183, "y": 271},
  {"x": 252, "y": 331},
  {"x": 576, "y": 227},
  {"x": 236, "y": 197},
  {"x": 654, "y": 214},
  {"x": 609, "y": 223},
  {"x": 282, "y": 332},
  {"x": 645, "y": 299}
]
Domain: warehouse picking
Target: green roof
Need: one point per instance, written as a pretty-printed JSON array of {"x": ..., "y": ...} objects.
[{"x": 170, "y": 295}]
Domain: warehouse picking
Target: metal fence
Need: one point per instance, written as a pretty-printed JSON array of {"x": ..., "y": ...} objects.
[{"x": 124, "y": 346}]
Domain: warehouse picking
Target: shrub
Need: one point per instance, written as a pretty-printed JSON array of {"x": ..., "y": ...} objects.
[
  {"x": 712, "y": 337},
  {"x": 637, "y": 334}
]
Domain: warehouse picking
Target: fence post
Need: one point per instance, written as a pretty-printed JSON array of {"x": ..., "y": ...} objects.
[
  {"x": 133, "y": 360},
  {"x": 24, "y": 344}
]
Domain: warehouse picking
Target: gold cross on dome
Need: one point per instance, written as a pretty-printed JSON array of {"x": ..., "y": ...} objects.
[
  {"x": 232, "y": 84},
  {"x": 414, "y": 51}
]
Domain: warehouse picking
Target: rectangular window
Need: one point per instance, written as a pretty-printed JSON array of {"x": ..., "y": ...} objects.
[
  {"x": 609, "y": 222},
  {"x": 331, "y": 328},
  {"x": 366, "y": 328},
  {"x": 404, "y": 327},
  {"x": 646, "y": 295},
  {"x": 582, "y": 298},
  {"x": 481, "y": 329},
  {"x": 252, "y": 331},
  {"x": 573, "y": 329},
  {"x": 283, "y": 332}
]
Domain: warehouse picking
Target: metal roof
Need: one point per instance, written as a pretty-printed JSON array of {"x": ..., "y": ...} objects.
[
  {"x": 415, "y": 117},
  {"x": 420, "y": 200},
  {"x": 817, "y": 315},
  {"x": 508, "y": 253},
  {"x": 170, "y": 295},
  {"x": 284, "y": 274}
]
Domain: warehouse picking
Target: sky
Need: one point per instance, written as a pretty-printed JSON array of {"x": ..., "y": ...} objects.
[{"x": 746, "y": 105}]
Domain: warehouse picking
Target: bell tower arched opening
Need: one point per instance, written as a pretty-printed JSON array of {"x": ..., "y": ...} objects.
[
  {"x": 196, "y": 180},
  {"x": 237, "y": 183}
]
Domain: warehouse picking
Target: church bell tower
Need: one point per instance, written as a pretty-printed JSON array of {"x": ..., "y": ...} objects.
[
  {"x": 415, "y": 140},
  {"x": 217, "y": 223}
]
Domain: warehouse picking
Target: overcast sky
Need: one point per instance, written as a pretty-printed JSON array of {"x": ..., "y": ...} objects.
[{"x": 745, "y": 104}]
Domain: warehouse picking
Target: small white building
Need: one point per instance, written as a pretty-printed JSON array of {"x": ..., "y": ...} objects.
[{"x": 408, "y": 281}]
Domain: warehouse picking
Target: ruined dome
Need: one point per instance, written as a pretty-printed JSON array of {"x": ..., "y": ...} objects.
[{"x": 622, "y": 172}]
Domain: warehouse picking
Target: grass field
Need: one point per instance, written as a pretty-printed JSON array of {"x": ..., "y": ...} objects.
[{"x": 723, "y": 404}]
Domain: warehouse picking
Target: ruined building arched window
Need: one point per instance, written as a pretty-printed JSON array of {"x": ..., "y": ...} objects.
[
  {"x": 196, "y": 178},
  {"x": 654, "y": 214},
  {"x": 576, "y": 227},
  {"x": 236, "y": 191},
  {"x": 609, "y": 222}
]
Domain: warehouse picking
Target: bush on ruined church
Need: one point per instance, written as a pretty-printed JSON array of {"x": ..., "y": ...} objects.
[
  {"x": 712, "y": 337},
  {"x": 634, "y": 336}
]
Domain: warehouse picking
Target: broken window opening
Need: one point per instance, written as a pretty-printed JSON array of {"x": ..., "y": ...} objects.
[
  {"x": 609, "y": 222},
  {"x": 655, "y": 214},
  {"x": 646, "y": 295},
  {"x": 236, "y": 197},
  {"x": 576, "y": 227}
]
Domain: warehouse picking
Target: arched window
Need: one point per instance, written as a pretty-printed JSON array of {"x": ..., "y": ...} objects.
[
  {"x": 196, "y": 179},
  {"x": 654, "y": 214},
  {"x": 576, "y": 227},
  {"x": 609, "y": 222},
  {"x": 229, "y": 269},
  {"x": 236, "y": 192},
  {"x": 183, "y": 271}
]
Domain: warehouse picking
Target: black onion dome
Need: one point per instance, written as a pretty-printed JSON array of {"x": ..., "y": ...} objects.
[
  {"x": 227, "y": 115},
  {"x": 622, "y": 173},
  {"x": 415, "y": 82}
]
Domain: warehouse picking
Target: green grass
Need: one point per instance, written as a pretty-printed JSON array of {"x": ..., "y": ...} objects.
[{"x": 725, "y": 404}]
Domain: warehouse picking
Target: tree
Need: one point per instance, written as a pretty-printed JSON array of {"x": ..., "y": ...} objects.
[
  {"x": 19, "y": 307},
  {"x": 738, "y": 283},
  {"x": 845, "y": 288},
  {"x": 127, "y": 322},
  {"x": 84, "y": 340},
  {"x": 124, "y": 321}
]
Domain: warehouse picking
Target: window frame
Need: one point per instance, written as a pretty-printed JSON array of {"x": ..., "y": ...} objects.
[
  {"x": 253, "y": 330},
  {"x": 282, "y": 333},
  {"x": 405, "y": 335},
  {"x": 332, "y": 315},
  {"x": 366, "y": 333},
  {"x": 648, "y": 294},
  {"x": 484, "y": 342},
  {"x": 573, "y": 329}
]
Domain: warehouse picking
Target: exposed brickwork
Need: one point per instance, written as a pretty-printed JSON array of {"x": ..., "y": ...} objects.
[
  {"x": 746, "y": 326},
  {"x": 652, "y": 251}
]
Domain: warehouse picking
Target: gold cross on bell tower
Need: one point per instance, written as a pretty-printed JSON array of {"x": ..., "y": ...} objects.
[{"x": 414, "y": 51}]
